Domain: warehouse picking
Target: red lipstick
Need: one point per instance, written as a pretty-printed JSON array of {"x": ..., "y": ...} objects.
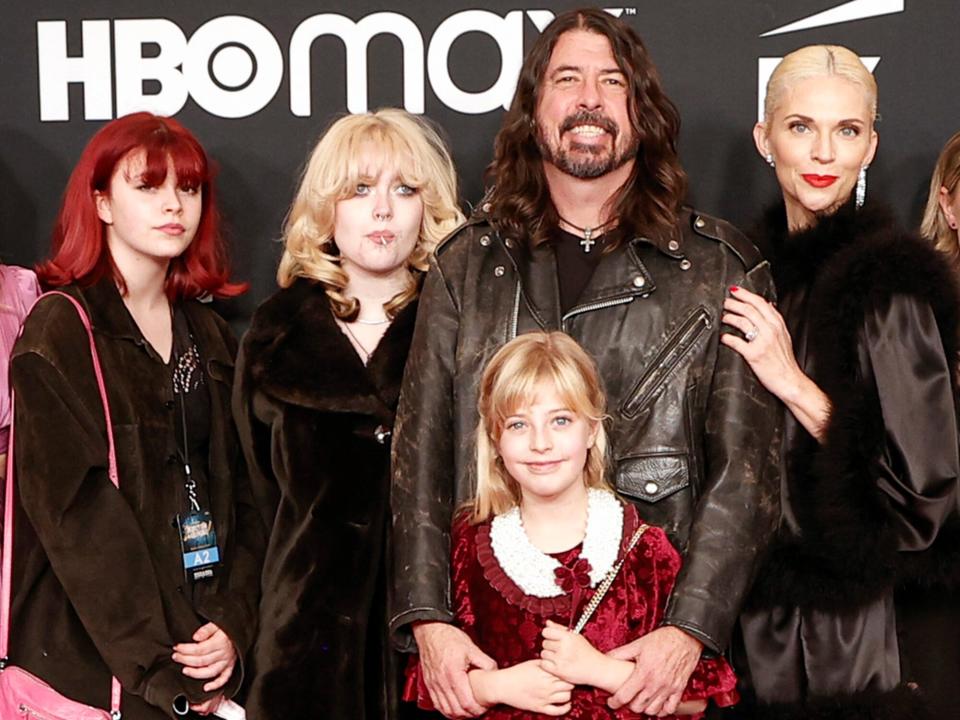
[{"x": 819, "y": 181}]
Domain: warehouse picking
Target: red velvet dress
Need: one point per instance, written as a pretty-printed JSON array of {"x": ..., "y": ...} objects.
[{"x": 506, "y": 623}]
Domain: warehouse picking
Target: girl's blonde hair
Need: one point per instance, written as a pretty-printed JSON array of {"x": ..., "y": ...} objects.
[
  {"x": 818, "y": 61},
  {"x": 935, "y": 227},
  {"x": 509, "y": 383},
  {"x": 353, "y": 149}
]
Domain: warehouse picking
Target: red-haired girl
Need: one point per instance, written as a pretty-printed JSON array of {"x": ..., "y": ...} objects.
[{"x": 106, "y": 580}]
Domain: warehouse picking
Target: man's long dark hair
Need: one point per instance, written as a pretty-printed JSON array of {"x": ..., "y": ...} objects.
[{"x": 648, "y": 201}]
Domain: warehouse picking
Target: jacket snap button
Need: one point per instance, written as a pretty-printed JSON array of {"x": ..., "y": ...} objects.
[
  {"x": 168, "y": 404},
  {"x": 485, "y": 240},
  {"x": 673, "y": 245},
  {"x": 486, "y": 207},
  {"x": 699, "y": 222},
  {"x": 499, "y": 271},
  {"x": 381, "y": 434},
  {"x": 650, "y": 488},
  {"x": 685, "y": 264},
  {"x": 639, "y": 281},
  {"x": 508, "y": 242}
]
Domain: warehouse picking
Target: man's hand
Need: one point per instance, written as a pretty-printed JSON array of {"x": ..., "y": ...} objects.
[
  {"x": 665, "y": 659},
  {"x": 446, "y": 653}
]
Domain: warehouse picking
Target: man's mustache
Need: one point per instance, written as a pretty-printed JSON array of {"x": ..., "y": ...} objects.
[{"x": 586, "y": 117}]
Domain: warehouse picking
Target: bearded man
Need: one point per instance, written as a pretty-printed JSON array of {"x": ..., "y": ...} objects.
[{"x": 584, "y": 231}]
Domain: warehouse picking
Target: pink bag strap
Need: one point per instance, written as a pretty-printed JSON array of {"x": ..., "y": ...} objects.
[{"x": 6, "y": 574}]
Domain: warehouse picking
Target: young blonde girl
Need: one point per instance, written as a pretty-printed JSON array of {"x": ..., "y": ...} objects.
[{"x": 533, "y": 548}]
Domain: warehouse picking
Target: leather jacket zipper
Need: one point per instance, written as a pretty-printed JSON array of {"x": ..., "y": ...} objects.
[
  {"x": 514, "y": 321},
  {"x": 669, "y": 357},
  {"x": 591, "y": 307}
]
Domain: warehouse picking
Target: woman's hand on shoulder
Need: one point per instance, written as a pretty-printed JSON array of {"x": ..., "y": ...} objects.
[
  {"x": 766, "y": 344},
  {"x": 211, "y": 656},
  {"x": 767, "y": 347}
]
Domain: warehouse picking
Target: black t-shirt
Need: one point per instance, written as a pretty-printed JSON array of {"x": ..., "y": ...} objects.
[{"x": 575, "y": 266}]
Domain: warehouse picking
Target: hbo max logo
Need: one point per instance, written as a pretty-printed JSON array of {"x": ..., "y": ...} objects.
[{"x": 232, "y": 66}]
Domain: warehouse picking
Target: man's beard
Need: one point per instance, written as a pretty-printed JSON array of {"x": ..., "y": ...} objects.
[{"x": 590, "y": 161}]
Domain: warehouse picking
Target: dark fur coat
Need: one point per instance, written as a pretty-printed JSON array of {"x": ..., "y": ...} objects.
[
  {"x": 315, "y": 424},
  {"x": 873, "y": 314},
  {"x": 854, "y": 264}
]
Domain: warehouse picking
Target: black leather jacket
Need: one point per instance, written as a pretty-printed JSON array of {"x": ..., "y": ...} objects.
[{"x": 693, "y": 434}]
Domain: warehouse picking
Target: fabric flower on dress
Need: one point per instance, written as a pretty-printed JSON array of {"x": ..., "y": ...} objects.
[{"x": 577, "y": 575}]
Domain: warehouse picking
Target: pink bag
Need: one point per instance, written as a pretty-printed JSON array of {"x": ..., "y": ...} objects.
[{"x": 23, "y": 695}]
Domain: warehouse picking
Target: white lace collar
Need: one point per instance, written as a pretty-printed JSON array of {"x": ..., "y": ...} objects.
[{"x": 533, "y": 570}]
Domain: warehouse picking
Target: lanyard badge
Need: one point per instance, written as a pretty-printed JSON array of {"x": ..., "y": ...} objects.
[
  {"x": 198, "y": 543},
  {"x": 198, "y": 539}
]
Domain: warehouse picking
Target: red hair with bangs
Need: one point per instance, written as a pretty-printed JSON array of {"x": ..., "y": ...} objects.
[{"x": 79, "y": 249}]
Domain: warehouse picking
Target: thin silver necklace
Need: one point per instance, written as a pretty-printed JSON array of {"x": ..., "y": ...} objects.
[
  {"x": 359, "y": 345},
  {"x": 372, "y": 322}
]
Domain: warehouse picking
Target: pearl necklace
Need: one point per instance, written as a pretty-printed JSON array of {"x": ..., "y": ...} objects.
[{"x": 533, "y": 571}]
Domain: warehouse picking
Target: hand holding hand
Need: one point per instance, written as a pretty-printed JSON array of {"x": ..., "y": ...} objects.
[
  {"x": 446, "y": 654},
  {"x": 569, "y": 655},
  {"x": 527, "y": 686},
  {"x": 664, "y": 660},
  {"x": 210, "y": 655}
]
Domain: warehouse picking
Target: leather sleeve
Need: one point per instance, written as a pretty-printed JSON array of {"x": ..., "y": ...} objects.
[
  {"x": 422, "y": 491},
  {"x": 738, "y": 510}
]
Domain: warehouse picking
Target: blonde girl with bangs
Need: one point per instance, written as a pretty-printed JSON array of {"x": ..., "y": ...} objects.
[
  {"x": 318, "y": 379},
  {"x": 551, "y": 571}
]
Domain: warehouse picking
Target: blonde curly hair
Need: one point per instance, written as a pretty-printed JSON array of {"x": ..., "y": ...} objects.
[{"x": 345, "y": 155}]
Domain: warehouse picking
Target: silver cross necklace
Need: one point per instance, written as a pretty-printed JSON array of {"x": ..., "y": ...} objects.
[{"x": 588, "y": 232}]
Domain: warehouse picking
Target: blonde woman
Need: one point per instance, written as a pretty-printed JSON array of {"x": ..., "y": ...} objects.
[
  {"x": 861, "y": 349},
  {"x": 941, "y": 217},
  {"x": 317, "y": 386}
]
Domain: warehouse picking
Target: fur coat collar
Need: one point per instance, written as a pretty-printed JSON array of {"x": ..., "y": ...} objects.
[
  {"x": 305, "y": 359},
  {"x": 851, "y": 264}
]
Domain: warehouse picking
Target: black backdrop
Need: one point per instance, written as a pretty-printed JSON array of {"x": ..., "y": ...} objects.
[{"x": 459, "y": 63}]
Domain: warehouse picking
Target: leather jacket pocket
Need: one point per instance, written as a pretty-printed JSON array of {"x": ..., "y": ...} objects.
[
  {"x": 652, "y": 478},
  {"x": 674, "y": 350}
]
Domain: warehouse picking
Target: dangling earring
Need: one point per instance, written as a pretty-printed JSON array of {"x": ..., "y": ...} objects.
[
  {"x": 862, "y": 186},
  {"x": 770, "y": 161}
]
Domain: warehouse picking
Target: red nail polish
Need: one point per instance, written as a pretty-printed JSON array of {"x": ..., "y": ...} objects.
[{"x": 734, "y": 288}]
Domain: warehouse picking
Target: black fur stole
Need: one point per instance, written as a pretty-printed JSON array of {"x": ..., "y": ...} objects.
[{"x": 851, "y": 263}]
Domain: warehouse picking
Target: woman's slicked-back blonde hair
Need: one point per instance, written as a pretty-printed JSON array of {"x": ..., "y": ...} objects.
[
  {"x": 935, "y": 227},
  {"x": 510, "y": 383},
  {"x": 355, "y": 149},
  {"x": 818, "y": 61}
]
